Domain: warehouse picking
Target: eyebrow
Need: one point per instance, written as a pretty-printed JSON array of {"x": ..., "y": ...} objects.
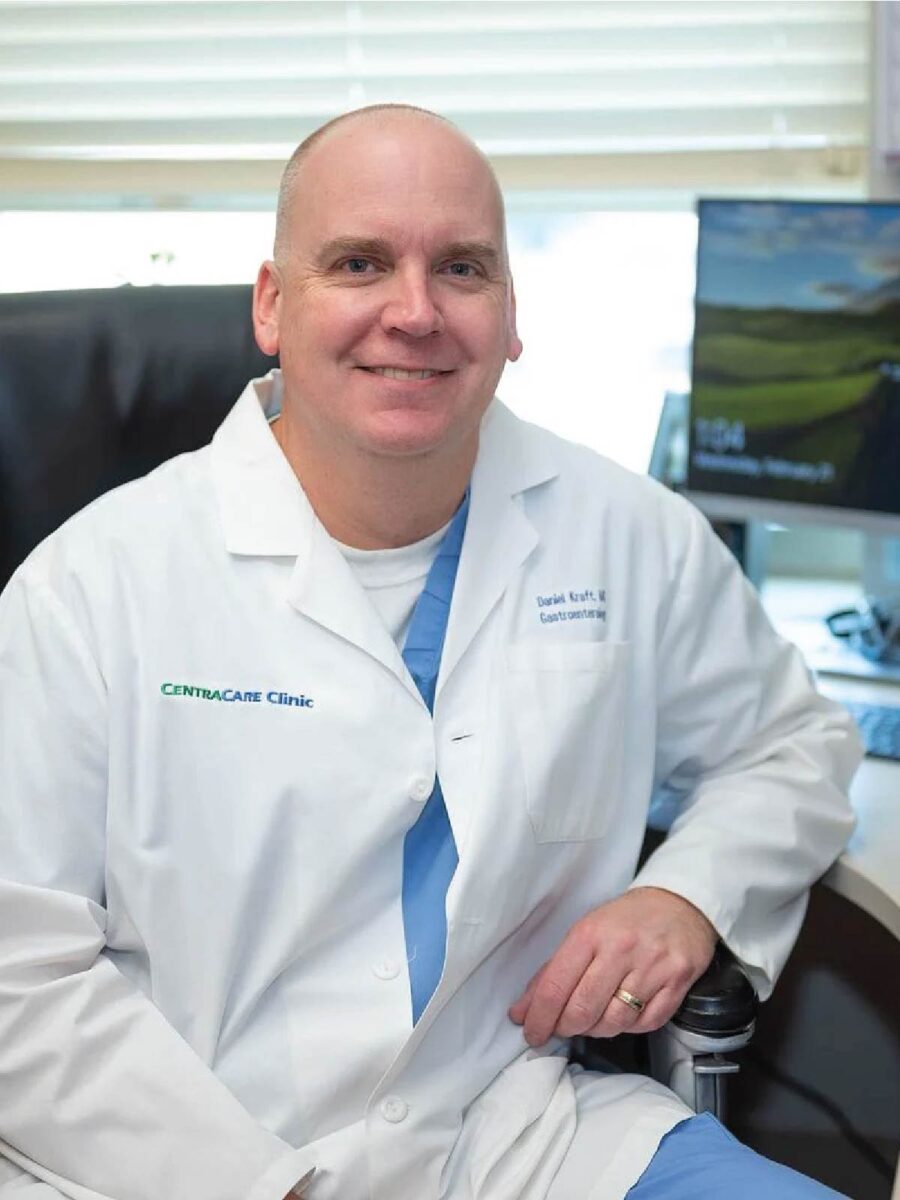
[
  {"x": 363, "y": 247},
  {"x": 366, "y": 247},
  {"x": 484, "y": 252}
]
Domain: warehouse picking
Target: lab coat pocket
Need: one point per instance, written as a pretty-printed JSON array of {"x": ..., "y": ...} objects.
[{"x": 569, "y": 705}]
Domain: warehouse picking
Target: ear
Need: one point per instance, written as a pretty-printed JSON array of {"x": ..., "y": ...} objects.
[
  {"x": 266, "y": 297},
  {"x": 513, "y": 341}
]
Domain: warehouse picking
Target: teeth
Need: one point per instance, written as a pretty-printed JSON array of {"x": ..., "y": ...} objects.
[{"x": 399, "y": 373}]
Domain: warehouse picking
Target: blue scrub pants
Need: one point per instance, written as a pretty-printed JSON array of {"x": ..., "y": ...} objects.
[{"x": 700, "y": 1160}]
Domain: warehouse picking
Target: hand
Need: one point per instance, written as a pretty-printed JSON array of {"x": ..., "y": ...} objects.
[{"x": 649, "y": 942}]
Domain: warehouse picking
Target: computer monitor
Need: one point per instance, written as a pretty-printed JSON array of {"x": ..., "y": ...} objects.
[{"x": 795, "y": 392}]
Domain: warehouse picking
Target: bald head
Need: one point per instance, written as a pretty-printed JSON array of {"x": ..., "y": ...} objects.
[
  {"x": 401, "y": 122},
  {"x": 390, "y": 305}
]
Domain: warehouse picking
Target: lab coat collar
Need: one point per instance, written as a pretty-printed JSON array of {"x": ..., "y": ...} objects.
[
  {"x": 512, "y": 458},
  {"x": 265, "y": 512},
  {"x": 264, "y": 509}
]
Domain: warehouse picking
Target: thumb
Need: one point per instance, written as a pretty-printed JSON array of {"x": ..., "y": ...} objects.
[{"x": 519, "y": 1010}]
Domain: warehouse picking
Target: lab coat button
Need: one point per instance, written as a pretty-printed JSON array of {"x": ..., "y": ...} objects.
[
  {"x": 386, "y": 968},
  {"x": 394, "y": 1109},
  {"x": 420, "y": 788}
]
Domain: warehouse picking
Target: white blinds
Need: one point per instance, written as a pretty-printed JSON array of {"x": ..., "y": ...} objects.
[
  {"x": 888, "y": 78},
  {"x": 242, "y": 81}
]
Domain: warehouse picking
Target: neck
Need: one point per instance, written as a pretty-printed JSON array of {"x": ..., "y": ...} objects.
[{"x": 378, "y": 502}]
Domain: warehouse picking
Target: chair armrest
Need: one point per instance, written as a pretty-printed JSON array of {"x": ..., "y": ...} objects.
[
  {"x": 716, "y": 1018},
  {"x": 722, "y": 1003},
  {"x": 688, "y": 1054}
]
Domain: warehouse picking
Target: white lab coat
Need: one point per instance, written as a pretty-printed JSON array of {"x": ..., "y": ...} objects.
[{"x": 203, "y": 986}]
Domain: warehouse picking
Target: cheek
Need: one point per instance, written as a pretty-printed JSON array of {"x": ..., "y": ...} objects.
[
  {"x": 325, "y": 326},
  {"x": 484, "y": 330},
  {"x": 488, "y": 345}
]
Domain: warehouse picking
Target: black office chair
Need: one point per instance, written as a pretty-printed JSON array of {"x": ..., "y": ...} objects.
[{"x": 97, "y": 388}]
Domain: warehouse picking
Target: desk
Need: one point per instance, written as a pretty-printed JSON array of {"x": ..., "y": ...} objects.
[{"x": 868, "y": 872}]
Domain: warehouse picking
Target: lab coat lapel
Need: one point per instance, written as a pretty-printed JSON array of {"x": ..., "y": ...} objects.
[
  {"x": 325, "y": 589},
  {"x": 499, "y": 536},
  {"x": 265, "y": 512}
]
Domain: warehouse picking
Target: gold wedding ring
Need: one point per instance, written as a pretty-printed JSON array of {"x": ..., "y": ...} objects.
[{"x": 631, "y": 1001}]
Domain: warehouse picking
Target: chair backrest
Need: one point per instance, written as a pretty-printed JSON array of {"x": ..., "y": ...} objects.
[{"x": 98, "y": 387}]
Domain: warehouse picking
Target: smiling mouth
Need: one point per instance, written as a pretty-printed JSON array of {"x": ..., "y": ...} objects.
[{"x": 400, "y": 373}]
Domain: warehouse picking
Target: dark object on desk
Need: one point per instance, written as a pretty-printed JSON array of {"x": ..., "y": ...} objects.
[
  {"x": 879, "y": 725},
  {"x": 872, "y": 629},
  {"x": 98, "y": 387}
]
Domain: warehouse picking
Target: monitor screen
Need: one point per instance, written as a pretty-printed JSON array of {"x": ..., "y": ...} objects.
[{"x": 795, "y": 394}]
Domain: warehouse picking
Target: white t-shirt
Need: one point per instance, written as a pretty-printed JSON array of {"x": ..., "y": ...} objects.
[{"x": 393, "y": 579}]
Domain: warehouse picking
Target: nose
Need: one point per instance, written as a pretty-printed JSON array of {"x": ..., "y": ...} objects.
[{"x": 410, "y": 307}]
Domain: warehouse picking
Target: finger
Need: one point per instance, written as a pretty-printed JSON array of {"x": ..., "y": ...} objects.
[
  {"x": 594, "y": 999},
  {"x": 619, "y": 1018},
  {"x": 519, "y": 1008},
  {"x": 663, "y": 1001},
  {"x": 557, "y": 981},
  {"x": 588, "y": 1001},
  {"x": 624, "y": 1016}
]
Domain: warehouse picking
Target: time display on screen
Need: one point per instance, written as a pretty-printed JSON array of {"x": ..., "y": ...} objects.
[{"x": 719, "y": 435}]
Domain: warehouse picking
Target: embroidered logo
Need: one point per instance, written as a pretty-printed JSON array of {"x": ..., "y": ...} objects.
[{"x": 230, "y": 695}]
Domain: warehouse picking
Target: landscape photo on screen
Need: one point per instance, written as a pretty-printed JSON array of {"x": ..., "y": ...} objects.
[{"x": 796, "y": 363}]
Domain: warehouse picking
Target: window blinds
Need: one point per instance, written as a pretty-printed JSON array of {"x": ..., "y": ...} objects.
[{"x": 108, "y": 86}]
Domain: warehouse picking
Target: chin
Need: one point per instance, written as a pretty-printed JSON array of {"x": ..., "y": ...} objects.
[{"x": 407, "y": 435}]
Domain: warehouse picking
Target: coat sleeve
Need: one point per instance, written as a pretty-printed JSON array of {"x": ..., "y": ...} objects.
[
  {"x": 99, "y": 1096},
  {"x": 760, "y": 763}
]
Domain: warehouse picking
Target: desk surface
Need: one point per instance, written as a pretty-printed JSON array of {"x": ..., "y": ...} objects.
[{"x": 868, "y": 872}]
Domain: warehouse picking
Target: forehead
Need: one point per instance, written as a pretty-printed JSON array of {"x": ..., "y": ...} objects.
[{"x": 409, "y": 181}]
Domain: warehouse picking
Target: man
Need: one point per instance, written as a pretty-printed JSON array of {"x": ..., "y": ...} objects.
[{"x": 327, "y": 753}]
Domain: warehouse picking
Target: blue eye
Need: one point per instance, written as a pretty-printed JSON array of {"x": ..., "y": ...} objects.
[
  {"x": 462, "y": 270},
  {"x": 357, "y": 266}
]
